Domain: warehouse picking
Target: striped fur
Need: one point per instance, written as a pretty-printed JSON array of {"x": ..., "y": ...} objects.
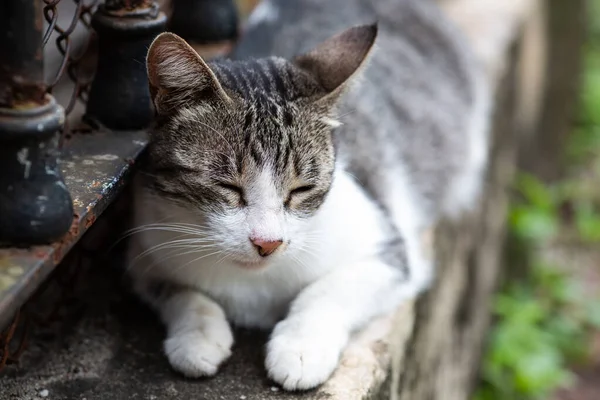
[{"x": 254, "y": 148}]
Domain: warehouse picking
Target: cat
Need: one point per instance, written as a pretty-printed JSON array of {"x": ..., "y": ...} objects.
[{"x": 288, "y": 186}]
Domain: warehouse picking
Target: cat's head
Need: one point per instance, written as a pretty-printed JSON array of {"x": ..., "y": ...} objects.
[{"x": 246, "y": 148}]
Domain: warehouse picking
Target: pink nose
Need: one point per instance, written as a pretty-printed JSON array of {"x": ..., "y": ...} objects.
[{"x": 266, "y": 247}]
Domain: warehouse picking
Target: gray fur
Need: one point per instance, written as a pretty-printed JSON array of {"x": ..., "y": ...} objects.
[
  {"x": 415, "y": 101},
  {"x": 411, "y": 111},
  {"x": 273, "y": 118}
]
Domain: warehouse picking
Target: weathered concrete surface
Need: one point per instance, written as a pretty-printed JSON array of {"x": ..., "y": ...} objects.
[
  {"x": 111, "y": 349},
  {"x": 105, "y": 345}
]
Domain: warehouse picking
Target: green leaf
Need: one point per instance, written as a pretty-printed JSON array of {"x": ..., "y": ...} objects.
[
  {"x": 539, "y": 372},
  {"x": 593, "y": 313},
  {"x": 535, "y": 192},
  {"x": 587, "y": 221},
  {"x": 530, "y": 313},
  {"x": 591, "y": 92},
  {"x": 487, "y": 393},
  {"x": 533, "y": 223}
]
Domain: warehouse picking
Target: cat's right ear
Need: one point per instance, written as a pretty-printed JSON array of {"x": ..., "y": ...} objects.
[
  {"x": 177, "y": 75},
  {"x": 336, "y": 61}
]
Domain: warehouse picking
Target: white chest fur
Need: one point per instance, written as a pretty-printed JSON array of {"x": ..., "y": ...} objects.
[{"x": 346, "y": 229}]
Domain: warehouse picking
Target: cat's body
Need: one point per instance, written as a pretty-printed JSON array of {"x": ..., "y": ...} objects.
[{"x": 245, "y": 158}]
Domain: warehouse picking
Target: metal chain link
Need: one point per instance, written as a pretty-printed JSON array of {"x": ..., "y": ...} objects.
[{"x": 71, "y": 63}]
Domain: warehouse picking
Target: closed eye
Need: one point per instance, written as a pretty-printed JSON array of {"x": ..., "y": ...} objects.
[
  {"x": 235, "y": 189},
  {"x": 298, "y": 191}
]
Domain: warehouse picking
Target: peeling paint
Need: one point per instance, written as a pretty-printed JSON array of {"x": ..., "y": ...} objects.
[
  {"x": 51, "y": 171},
  {"x": 22, "y": 157},
  {"x": 8, "y": 273},
  {"x": 105, "y": 157},
  {"x": 101, "y": 160},
  {"x": 6, "y": 282},
  {"x": 15, "y": 271}
]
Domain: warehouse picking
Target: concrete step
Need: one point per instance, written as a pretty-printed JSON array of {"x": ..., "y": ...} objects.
[{"x": 103, "y": 344}]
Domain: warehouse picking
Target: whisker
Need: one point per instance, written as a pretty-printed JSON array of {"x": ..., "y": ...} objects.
[
  {"x": 179, "y": 254},
  {"x": 196, "y": 260},
  {"x": 180, "y": 267},
  {"x": 346, "y": 114},
  {"x": 173, "y": 244}
]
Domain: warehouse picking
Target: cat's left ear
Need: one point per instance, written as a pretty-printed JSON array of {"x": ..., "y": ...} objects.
[
  {"x": 177, "y": 75},
  {"x": 337, "y": 60}
]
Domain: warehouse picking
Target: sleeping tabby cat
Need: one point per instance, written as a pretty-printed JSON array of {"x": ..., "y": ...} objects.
[{"x": 292, "y": 191}]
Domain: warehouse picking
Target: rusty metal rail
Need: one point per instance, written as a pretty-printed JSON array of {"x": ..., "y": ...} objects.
[
  {"x": 96, "y": 168},
  {"x": 35, "y": 205}
]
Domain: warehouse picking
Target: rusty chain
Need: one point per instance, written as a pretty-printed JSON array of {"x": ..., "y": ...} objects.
[{"x": 71, "y": 63}]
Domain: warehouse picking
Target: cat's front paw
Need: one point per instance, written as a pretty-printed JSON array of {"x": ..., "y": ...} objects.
[
  {"x": 299, "y": 360},
  {"x": 198, "y": 353}
]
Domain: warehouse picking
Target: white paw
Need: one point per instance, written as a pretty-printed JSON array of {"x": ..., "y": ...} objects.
[
  {"x": 200, "y": 352},
  {"x": 298, "y": 360}
]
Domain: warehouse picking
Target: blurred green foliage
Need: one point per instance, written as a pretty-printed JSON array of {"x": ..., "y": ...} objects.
[
  {"x": 544, "y": 319},
  {"x": 540, "y": 330},
  {"x": 585, "y": 141}
]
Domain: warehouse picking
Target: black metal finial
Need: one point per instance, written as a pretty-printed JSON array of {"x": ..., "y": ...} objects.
[
  {"x": 35, "y": 205},
  {"x": 119, "y": 98},
  {"x": 205, "y": 21}
]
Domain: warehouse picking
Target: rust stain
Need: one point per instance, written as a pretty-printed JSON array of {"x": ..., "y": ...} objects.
[
  {"x": 89, "y": 220},
  {"x": 69, "y": 238},
  {"x": 73, "y": 234},
  {"x": 23, "y": 94},
  {"x": 39, "y": 19},
  {"x": 5, "y": 338},
  {"x": 78, "y": 203},
  {"x": 39, "y": 253},
  {"x": 95, "y": 184},
  {"x": 122, "y": 8}
]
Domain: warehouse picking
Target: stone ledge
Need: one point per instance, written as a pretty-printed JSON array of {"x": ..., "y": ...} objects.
[
  {"x": 112, "y": 350},
  {"x": 105, "y": 345}
]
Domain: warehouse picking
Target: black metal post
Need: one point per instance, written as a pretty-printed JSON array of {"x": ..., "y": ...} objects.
[
  {"x": 205, "y": 21},
  {"x": 119, "y": 98},
  {"x": 35, "y": 205}
]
